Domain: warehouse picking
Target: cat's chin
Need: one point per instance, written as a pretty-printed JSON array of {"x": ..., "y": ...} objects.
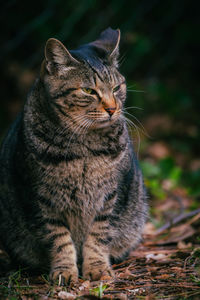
[{"x": 104, "y": 124}]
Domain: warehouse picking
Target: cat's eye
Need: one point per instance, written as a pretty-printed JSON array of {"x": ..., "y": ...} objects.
[
  {"x": 116, "y": 88},
  {"x": 88, "y": 91}
]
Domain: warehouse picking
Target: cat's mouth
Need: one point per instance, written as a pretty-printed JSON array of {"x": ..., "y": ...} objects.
[{"x": 104, "y": 122}]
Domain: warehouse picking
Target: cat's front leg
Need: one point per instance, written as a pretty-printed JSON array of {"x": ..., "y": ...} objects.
[
  {"x": 63, "y": 255},
  {"x": 96, "y": 251}
]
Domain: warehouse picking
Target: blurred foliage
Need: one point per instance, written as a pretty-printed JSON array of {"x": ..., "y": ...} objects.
[
  {"x": 167, "y": 171},
  {"x": 155, "y": 174},
  {"x": 159, "y": 57}
]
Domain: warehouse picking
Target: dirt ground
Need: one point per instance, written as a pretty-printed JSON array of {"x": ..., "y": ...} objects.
[{"x": 165, "y": 266}]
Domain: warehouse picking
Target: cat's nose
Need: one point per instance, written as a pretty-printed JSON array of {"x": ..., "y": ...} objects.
[{"x": 110, "y": 110}]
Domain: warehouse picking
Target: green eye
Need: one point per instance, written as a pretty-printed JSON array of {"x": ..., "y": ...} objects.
[
  {"x": 88, "y": 90},
  {"x": 116, "y": 88}
]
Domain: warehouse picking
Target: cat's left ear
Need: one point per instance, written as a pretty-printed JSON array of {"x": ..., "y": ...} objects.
[{"x": 109, "y": 41}]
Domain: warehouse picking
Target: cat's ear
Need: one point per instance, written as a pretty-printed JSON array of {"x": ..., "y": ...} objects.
[
  {"x": 57, "y": 55},
  {"x": 109, "y": 41}
]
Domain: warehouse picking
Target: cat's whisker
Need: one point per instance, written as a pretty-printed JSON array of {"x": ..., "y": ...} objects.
[
  {"x": 131, "y": 86},
  {"x": 119, "y": 111},
  {"x": 76, "y": 130},
  {"x": 130, "y": 107},
  {"x": 78, "y": 117},
  {"x": 136, "y": 91},
  {"x": 84, "y": 125},
  {"x": 84, "y": 129},
  {"x": 98, "y": 117},
  {"x": 121, "y": 59},
  {"x": 142, "y": 129},
  {"x": 97, "y": 114},
  {"x": 130, "y": 123},
  {"x": 79, "y": 120},
  {"x": 87, "y": 126},
  {"x": 68, "y": 126},
  {"x": 132, "y": 116}
]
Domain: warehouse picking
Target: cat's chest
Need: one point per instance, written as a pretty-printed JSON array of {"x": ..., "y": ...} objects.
[
  {"x": 91, "y": 172},
  {"x": 79, "y": 186}
]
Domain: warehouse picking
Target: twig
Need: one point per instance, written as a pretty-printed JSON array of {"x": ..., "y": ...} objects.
[{"x": 178, "y": 219}]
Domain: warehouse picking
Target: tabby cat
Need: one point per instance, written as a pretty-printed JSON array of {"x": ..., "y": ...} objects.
[{"x": 72, "y": 197}]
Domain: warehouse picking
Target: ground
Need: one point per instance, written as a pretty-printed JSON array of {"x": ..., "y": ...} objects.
[{"x": 165, "y": 266}]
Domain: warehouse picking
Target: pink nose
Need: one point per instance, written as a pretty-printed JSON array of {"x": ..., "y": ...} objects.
[{"x": 110, "y": 110}]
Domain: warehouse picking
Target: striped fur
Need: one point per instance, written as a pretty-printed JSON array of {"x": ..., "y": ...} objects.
[{"x": 71, "y": 192}]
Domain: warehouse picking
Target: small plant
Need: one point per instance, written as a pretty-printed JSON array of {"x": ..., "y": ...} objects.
[
  {"x": 98, "y": 291},
  {"x": 14, "y": 279},
  {"x": 195, "y": 279},
  {"x": 46, "y": 278}
]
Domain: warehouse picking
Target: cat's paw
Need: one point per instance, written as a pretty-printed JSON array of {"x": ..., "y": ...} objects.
[
  {"x": 64, "y": 276},
  {"x": 96, "y": 272}
]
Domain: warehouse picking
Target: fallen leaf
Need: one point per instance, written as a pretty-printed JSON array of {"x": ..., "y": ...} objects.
[
  {"x": 106, "y": 278},
  {"x": 159, "y": 256},
  {"x": 66, "y": 295},
  {"x": 183, "y": 245},
  {"x": 163, "y": 276}
]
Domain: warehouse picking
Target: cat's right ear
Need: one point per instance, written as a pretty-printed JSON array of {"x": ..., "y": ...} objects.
[{"x": 56, "y": 55}]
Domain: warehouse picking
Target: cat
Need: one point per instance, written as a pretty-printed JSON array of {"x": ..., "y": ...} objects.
[{"x": 72, "y": 198}]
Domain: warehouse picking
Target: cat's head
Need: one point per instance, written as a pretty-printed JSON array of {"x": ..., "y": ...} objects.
[{"x": 84, "y": 85}]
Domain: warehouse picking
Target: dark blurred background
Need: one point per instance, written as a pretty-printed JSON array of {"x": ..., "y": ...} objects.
[{"x": 160, "y": 49}]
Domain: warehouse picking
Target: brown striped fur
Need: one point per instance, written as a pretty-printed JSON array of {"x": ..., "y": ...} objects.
[{"x": 71, "y": 192}]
